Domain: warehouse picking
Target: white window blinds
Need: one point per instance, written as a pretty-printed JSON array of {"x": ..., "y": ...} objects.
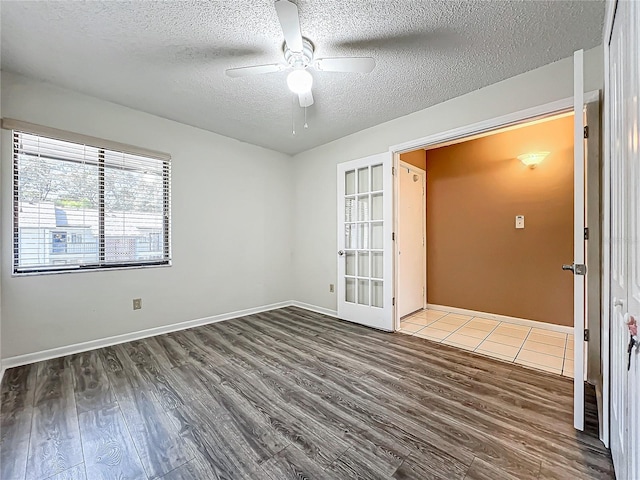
[{"x": 78, "y": 206}]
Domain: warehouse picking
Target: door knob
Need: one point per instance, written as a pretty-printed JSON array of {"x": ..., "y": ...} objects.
[
  {"x": 576, "y": 268},
  {"x": 341, "y": 252}
]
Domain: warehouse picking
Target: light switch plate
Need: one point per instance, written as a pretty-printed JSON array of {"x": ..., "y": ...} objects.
[{"x": 519, "y": 221}]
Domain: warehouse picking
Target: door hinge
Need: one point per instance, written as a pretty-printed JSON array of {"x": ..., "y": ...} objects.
[
  {"x": 586, "y": 131},
  {"x": 393, "y": 236},
  {"x": 393, "y": 301},
  {"x": 586, "y": 334},
  {"x": 393, "y": 170},
  {"x": 586, "y": 233}
]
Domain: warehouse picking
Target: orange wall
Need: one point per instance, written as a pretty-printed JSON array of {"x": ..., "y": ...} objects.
[
  {"x": 476, "y": 258},
  {"x": 417, "y": 158}
]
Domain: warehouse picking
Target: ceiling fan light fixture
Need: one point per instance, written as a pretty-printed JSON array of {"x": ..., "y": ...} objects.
[{"x": 299, "y": 81}]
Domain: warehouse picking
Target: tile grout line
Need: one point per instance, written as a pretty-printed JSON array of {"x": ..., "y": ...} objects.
[
  {"x": 464, "y": 325},
  {"x": 489, "y": 334},
  {"x": 523, "y": 342}
]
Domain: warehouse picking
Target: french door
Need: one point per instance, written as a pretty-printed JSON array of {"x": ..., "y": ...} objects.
[
  {"x": 578, "y": 266},
  {"x": 365, "y": 270},
  {"x": 624, "y": 114}
]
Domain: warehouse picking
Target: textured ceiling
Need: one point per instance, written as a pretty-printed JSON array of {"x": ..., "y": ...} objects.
[{"x": 168, "y": 58}]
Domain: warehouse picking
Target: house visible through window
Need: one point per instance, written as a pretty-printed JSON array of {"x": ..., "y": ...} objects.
[{"x": 78, "y": 206}]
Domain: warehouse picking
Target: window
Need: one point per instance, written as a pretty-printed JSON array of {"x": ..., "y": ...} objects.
[{"x": 79, "y": 206}]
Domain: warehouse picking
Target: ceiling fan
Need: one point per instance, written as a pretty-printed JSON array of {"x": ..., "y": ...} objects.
[{"x": 298, "y": 57}]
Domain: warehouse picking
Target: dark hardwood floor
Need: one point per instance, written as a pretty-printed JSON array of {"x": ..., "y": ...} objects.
[{"x": 291, "y": 394}]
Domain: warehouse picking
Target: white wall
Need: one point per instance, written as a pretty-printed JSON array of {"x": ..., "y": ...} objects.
[
  {"x": 314, "y": 171},
  {"x": 231, "y": 212}
]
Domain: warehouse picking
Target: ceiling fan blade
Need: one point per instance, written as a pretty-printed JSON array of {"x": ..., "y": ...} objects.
[
  {"x": 255, "y": 70},
  {"x": 306, "y": 99},
  {"x": 345, "y": 64},
  {"x": 290, "y": 23}
]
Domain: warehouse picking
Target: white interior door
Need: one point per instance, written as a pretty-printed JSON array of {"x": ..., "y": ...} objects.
[
  {"x": 365, "y": 270},
  {"x": 624, "y": 115},
  {"x": 578, "y": 267},
  {"x": 411, "y": 240},
  {"x": 618, "y": 251}
]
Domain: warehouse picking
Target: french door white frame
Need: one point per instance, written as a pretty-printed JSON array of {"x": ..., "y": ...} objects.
[
  {"x": 541, "y": 111},
  {"x": 377, "y": 313}
]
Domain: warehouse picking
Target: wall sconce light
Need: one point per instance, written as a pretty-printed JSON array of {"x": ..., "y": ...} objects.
[{"x": 531, "y": 160}]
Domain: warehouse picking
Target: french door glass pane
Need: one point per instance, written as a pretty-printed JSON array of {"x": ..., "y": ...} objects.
[
  {"x": 376, "y": 293},
  {"x": 363, "y": 180},
  {"x": 350, "y": 236},
  {"x": 350, "y": 290},
  {"x": 376, "y": 206},
  {"x": 377, "y": 236},
  {"x": 350, "y": 210},
  {"x": 376, "y": 265},
  {"x": 350, "y": 182},
  {"x": 363, "y": 292},
  {"x": 363, "y": 208},
  {"x": 363, "y": 236},
  {"x": 350, "y": 262},
  {"x": 363, "y": 264},
  {"x": 376, "y": 178}
]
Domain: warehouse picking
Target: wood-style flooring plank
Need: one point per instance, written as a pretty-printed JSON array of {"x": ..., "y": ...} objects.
[
  {"x": 74, "y": 473},
  {"x": 319, "y": 443},
  {"x": 108, "y": 449},
  {"x": 432, "y": 465},
  {"x": 54, "y": 445},
  {"x": 160, "y": 447},
  {"x": 157, "y": 375},
  {"x": 292, "y": 464},
  {"x": 195, "y": 469},
  {"x": 92, "y": 387},
  {"x": 18, "y": 390},
  {"x": 217, "y": 440}
]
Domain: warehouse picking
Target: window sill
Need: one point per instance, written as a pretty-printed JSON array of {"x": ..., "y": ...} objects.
[{"x": 87, "y": 270}]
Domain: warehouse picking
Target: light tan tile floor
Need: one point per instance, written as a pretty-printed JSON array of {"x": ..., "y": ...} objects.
[{"x": 536, "y": 348}]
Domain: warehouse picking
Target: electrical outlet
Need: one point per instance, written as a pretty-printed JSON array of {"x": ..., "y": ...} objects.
[
  {"x": 519, "y": 221},
  {"x": 331, "y": 288},
  {"x": 137, "y": 303}
]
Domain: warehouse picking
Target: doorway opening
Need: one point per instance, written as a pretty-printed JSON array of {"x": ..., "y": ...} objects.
[{"x": 479, "y": 253}]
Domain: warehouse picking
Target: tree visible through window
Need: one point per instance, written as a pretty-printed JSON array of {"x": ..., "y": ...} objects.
[{"x": 79, "y": 206}]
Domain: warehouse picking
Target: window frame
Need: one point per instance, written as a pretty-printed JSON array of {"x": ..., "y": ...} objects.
[{"x": 103, "y": 146}]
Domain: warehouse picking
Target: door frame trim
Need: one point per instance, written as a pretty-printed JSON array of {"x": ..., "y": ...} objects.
[
  {"x": 488, "y": 125},
  {"x": 605, "y": 341}
]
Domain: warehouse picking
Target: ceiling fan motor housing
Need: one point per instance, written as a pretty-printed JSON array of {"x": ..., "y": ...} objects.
[{"x": 299, "y": 59}]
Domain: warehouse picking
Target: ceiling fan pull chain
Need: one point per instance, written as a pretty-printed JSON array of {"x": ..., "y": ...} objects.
[
  {"x": 306, "y": 125},
  {"x": 293, "y": 116}
]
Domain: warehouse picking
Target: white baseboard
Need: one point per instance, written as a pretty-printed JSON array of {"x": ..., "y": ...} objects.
[
  {"x": 504, "y": 318},
  {"x": 18, "y": 360},
  {"x": 314, "y": 308}
]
